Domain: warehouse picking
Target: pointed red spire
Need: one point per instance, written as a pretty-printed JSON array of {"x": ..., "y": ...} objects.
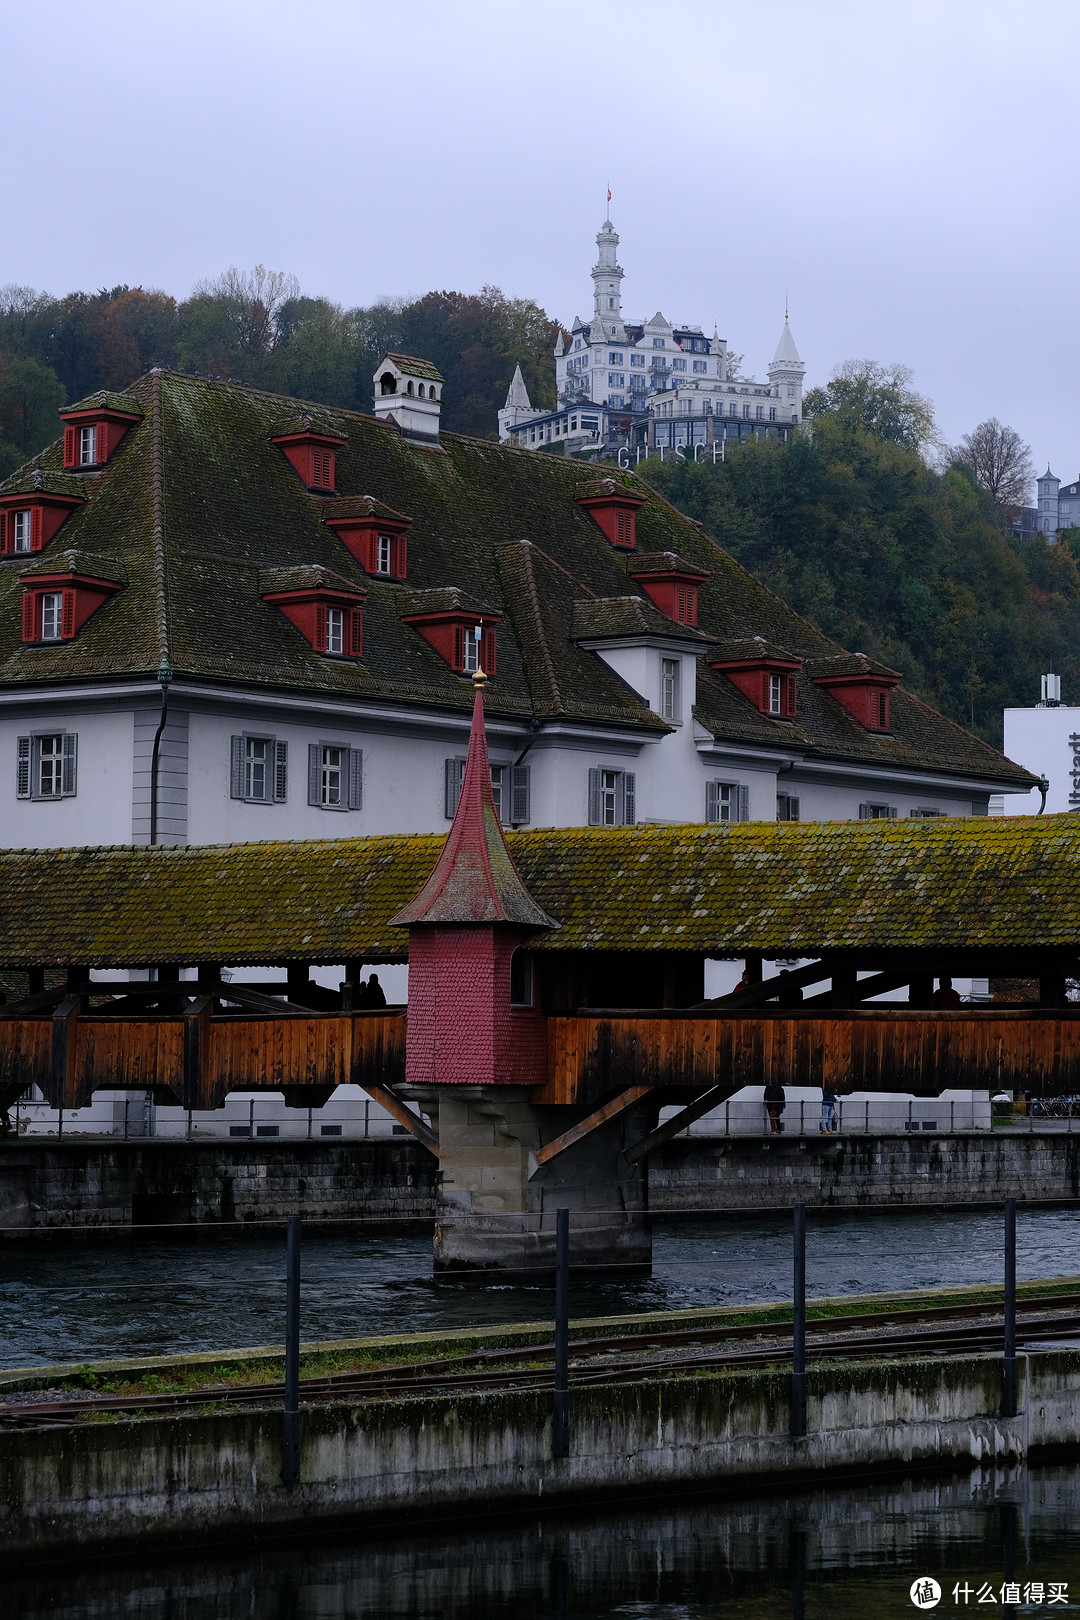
[{"x": 475, "y": 880}]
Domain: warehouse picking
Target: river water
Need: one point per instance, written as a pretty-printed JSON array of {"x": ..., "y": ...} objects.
[
  {"x": 88, "y": 1301},
  {"x": 841, "y": 1553}
]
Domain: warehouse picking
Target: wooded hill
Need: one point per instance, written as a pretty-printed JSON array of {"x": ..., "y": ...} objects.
[{"x": 913, "y": 567}]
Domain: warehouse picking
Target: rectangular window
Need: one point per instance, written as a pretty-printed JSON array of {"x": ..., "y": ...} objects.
[
  {"x": 260, "y": 770},
  {"x": 669, "y": 688},
  {"x": 614, "y": 359},
  {"x": 775, "y": 694},
  {"x": 925, "y": 812},
  {"x": 52, "y": 615},
  {"x": 46, "y": 766},
  {"x": 23, "y": 531},
  {"x": 521, "y": 979},
  {"x": 383, "y": 553},
  {"x": 637, "y": 359},
  {"x": 678, "y": 365},
  {"x": 88, "y": 445},
  {"x": 611, "y": 798},
  {"x": 701, "y": 365},
  {"x": 877, "y": 812},
  {"x": 759, "y": 412},
  {"x": 772, "y": 413},
  {"x": 335, "y": 776},
  {"x": 727, "y": 801},
  {"x": 471, "y": 658},
  {"x": 658, "y": 343},
  {"x": 335, "y": 630},
  {"x": 510, "y": 790},
  {"x": 787, "y": 807}
]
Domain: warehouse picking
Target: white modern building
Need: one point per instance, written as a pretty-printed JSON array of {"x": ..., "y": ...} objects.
[
  {"x": 1046, "y": 740},
  {"x": 618, "y": 380}
]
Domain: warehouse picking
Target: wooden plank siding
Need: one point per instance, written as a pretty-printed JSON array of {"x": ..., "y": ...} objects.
[
  {"x": 886, "y": 1049},
  {"x": 309, "y": 1055}
]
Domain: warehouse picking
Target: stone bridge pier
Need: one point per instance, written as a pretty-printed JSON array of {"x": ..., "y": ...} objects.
[{"x": 495, "y": 1206}]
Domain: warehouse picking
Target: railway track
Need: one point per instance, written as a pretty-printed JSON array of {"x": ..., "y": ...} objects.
[{"x": 607, "y": 1359}]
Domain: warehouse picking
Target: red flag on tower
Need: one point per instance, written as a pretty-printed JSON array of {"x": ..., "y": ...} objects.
[{"x": 609, "y": 193}]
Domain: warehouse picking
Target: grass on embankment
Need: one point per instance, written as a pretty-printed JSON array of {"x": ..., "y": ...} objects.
[{"x": 181, "y": 1374}]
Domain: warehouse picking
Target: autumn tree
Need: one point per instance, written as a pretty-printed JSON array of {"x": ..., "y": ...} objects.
[
  {"x": 1000, "y": 461},
  {"x": 875, "y": 399}
]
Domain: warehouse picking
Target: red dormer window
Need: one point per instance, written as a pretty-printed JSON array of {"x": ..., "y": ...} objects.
[
  {"x": 615, "y": 509},
  {"x": 466, "y": 640},
  {"x": 56, "y": 606},
  {"x": 92, "y": 436},
  {"x": 29, "y": 521},
  {"x": 869, "y": 700},
  {"x": 313, "y": 456},
  {"x": 374, "y": 534},
  {"x": 769, "y": 682},
  {"x": 331, "y": 621},
  {"x": 674, "y": 590}
]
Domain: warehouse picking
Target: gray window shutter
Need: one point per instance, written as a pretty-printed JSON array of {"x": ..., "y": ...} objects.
[
  {"x": 455, "y": 772},
  {"x": 864, "y": 812},
  {"x": 22, "y": 775},
  {"x": 712, "y": 801},
  {"x": 892, "y": 812},
  {"x": 281, "y": 772},
  {"x": 69, "y": 745},
  {"x": 742, "y": 812},
  {"x": 793, "y": 809},
  {"x": 314, "y": 774},
  {"x": 628, "y": 798},
  {"x": 596, "y": 808},
  {"x": 519, "y": 796},
  {"x": 237, "y": 789},
  {"x": 356, "y": 778}
]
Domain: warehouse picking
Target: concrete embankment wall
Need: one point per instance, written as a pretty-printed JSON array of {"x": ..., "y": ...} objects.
[
  {"x": 80, "y": 1185},
  {"x": 862, "y": 1171},
  {"x": 108, "y": 1486},
  {"x": 86, "y": 1185}
]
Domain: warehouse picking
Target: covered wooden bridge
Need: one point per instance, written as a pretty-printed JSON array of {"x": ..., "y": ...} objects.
[{"x": 868, "y": 908}]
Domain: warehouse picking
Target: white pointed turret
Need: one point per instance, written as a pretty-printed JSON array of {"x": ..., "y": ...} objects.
[
  {"x": 1049, "y": 507},
  {"x": 786, "y": 372},
  {"x": 517, "y": 408}
]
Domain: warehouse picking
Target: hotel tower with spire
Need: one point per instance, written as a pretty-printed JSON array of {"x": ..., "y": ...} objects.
[{"x": 649, "y": 385}]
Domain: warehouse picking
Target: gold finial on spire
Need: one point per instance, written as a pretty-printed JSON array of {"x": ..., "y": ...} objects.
[{"x": 479, "y": 678}]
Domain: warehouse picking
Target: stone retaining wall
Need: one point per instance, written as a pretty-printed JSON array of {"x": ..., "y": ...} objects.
[
  {"x": 747, "y": 1173},
  {"x": 216, "y": 1476},
  {"x": 82, "y": 1186}
]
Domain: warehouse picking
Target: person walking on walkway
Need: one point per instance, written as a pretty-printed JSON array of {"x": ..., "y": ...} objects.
[
  {"x": 828, "y": 1112},
  {"x": 775, "y": 1103}
]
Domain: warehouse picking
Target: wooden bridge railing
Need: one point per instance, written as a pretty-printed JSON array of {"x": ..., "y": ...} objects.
[
  {"x": 868, "y": 1049},
  {"x": 198, "y": 1058}
]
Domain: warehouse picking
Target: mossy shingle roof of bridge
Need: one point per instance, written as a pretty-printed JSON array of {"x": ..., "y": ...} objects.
[
  {"x": 197, "y": 502},
  {"x": 784, "y": 889}
]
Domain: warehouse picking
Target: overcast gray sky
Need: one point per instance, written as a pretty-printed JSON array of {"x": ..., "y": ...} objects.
[{"x": 900, "y": 168}]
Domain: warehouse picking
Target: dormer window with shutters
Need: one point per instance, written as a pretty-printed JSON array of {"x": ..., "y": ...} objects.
[
  {"x": 373, "y": 533},
  {"x": 462, "y": 634},
  {"x": 614, "y": 506},
  {"x": 861, "y": 686},
  {"x": 310, "y": 445},
  {"x": 56, "y": 604},
  {"x": 670, "y": 583},
  {"x": 31, "y": 516},
  {"x": 327, "y": 610},
  {"x": 766, "y": 674},
  {"x": 94, "y": 428}
]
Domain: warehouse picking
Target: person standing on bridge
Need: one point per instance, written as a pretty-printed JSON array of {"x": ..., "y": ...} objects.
[
  {"x": 945, "y": 996},
  {"x": 828, "y": 1112},
  {"x": 775, "y": 1103}
]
